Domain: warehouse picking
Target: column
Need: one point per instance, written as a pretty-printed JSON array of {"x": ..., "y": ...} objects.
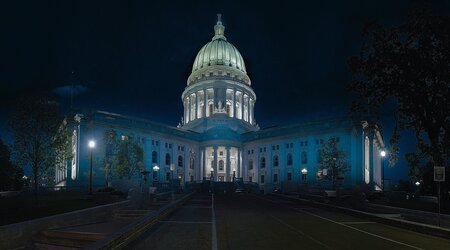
[
  {"x": 234, "y": 103},
  {"x": 227, "y": 168},
  {"x": 196, "y": 105},
  {"x": 238, "y": 172},
  {"x": 215, "y": 163},
  {"x": 205, "y": 103},
  {"x": 189, "y": 109},
  {"x": 242, "y": 106},
  {"x": 248, "y": 109},
  {"x": 203, "y": 166}
]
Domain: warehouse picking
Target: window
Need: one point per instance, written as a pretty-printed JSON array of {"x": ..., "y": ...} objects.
[
  {"x": 289, "y": 176},
  {"x": 264, "y": 149},
  {"x": 275, "y": 161},
  {"x": 287, "y": 145},
  {"x": 304, "y": 157},
  {"x": 273, "y": 147},
  {"x": 221, "y": 165},
  {"x": 278, "y": 147},
  {"x": 249, "y": 179},
  {"x": 253, "y": 151},
  {"x": 260, "y": 150},
  {"x": 262, "y": 179},
  {"x": 250, "y": 164},
  {"x": 192, "y": 178},
  {"x": 301, "y": 143},
  {"x": 263, "y": 162},
  {"x": 154, "y": 157},
  {"x": 306, "y": 143},
  {"x": 168, "y": 160},
  {"x": 180, "y": 161},
  {"x": 275, "y": 178},
  {"x": 319, "y": 156},
  {"x": 292, "y": 145},
  {"x": 167, "y": 176},
  {"x": 289, "y": 159},
  {"x": 248, "y": 152},
  {"x": 221, "y": 153}
]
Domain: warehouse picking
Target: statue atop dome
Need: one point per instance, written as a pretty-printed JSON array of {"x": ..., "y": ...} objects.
[{"x": 219, "y": 29}]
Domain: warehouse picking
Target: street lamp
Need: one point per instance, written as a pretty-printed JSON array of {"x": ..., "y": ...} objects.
[
  {"x": 234, "y": 174},
  {"x": 417, "y": 183},
  {"x": 382, "y": 154},
  {"x": 155, "y": 173},
  {"x": 304, "y": 172},
  {"x": 91, "y": 145}
]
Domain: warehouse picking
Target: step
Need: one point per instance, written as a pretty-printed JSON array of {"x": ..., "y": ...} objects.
[
  {"x": 66, "y": 238},
  {"x": 43, "y": 246}
]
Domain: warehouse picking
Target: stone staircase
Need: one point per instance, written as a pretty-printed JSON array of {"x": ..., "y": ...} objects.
[
  {"x": 129, "y": 214},
  {"x": 64, "y": 240}
]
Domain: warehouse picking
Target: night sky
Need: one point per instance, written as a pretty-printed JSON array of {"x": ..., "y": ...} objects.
[{"x": 134, "y": 57}]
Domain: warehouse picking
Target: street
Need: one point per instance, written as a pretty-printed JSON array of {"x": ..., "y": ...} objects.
[{"x": 246, "y": 221}]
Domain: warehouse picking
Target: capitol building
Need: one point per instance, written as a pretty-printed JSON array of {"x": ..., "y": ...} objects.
[{"x": 218, "y": 137}]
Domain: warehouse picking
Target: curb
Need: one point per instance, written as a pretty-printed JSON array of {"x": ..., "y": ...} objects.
[
  {"x": 409, "y": 225},
  {"x": 127, "y": 234}
]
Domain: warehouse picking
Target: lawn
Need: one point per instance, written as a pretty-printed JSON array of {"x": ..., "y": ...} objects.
[{"x": 23, "y": 207}]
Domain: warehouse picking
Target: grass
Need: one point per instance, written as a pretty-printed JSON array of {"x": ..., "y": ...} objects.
[{"x": 23, "y": 207}]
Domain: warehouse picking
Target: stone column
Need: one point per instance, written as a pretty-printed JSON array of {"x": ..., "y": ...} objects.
[
  {"x": 215, "y": 163},
  {"x": 234, "y": 102},
  {"x": 202, "y": 171},
  {"x": 242, "y": 106},
  {"x": 205, "y": 103},
  {"x": 238, "y": 172},
  {"x": 227, "y": 169},
  {"x": 196, "y": 106}
]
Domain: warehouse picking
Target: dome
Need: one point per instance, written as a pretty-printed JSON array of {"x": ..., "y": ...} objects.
[{"x": 219, "y": 52}]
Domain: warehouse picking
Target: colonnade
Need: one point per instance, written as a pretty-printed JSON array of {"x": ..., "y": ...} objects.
[
  {"x": 222, "y": 162},
  {"x": 206, "y": 102}
]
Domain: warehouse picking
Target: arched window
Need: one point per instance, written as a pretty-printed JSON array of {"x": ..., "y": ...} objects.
[
  {"x": 304, "y": 157},
  {"x": 263, "y": 162},
  {"x": 250, "y": 164},
  {"x": 180, "y": 161},
  {"x": 168, "y": 159},
  {"x": 275, "y": 161},
  {"x": 289, "y": 159},
  {"x": 154, "y": 157},
  {"x": 221, "y": 165}
]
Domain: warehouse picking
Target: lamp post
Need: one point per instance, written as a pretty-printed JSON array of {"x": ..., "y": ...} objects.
[
  {"x": 234, "y": 174},
  {"x": 304, "y": 172},
  {"x": 172, "y": 168},
  {"x": 91, "y": 147},
  {"x": 212, "y": 179},
  {"x": 382, "y": 154},
  {"x": 155, "y": 174}
]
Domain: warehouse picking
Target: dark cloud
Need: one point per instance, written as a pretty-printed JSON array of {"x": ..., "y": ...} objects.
[{"x": 68, "y": 90}]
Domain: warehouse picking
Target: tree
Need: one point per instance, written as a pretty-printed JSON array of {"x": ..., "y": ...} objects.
[
  {"x": 409, "y": 66},
  {"x": 110, "y": 154},
  {"x": 41, "y": 139},
  {"x": 334, "y": 161},
  {"x": 129, "y": 158},
  {"x": 10, "y": 174}
]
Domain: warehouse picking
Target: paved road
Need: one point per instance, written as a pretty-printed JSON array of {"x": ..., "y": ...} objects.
[{"x": 261, "y": 222}]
